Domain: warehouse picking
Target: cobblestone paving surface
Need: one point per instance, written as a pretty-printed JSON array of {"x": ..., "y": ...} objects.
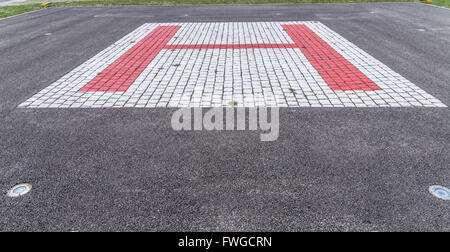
[{"x": 247, "y": 64}]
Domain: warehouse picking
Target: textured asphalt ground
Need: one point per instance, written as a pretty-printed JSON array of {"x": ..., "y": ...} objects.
[{"x": 336, "y": 169}]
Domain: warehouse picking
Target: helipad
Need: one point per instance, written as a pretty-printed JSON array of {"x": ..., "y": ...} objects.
[{"x": 247, "y": 64}]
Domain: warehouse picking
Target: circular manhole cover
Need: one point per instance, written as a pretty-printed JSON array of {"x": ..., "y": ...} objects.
[
  {"x": 440, "y": 192},
  {"x": 19, "y": 190}
]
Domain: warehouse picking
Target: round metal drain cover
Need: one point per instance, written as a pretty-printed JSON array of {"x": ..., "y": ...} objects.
[
  {"x": 19, "y": 190},
  {"x": 440, "y": 192}
]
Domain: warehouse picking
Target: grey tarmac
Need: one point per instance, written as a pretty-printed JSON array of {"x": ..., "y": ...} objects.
[{"x": 332, "y": 169}]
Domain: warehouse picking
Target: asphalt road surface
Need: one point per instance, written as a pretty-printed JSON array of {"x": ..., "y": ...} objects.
[
  {"x": 125, "y": 169},
  {"x": 10, "y": 2}
]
